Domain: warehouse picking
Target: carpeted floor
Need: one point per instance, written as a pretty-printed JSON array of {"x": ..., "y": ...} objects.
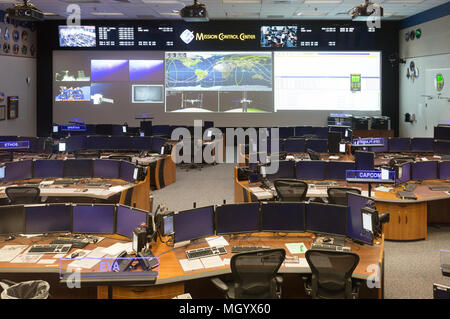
[{"x": 411, "y": 268}]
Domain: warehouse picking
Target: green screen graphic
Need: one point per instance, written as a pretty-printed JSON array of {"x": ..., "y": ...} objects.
[{"x": 355, "y": 82}]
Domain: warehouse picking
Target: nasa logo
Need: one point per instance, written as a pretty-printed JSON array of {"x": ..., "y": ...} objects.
[{"x": 187, "y": 36}]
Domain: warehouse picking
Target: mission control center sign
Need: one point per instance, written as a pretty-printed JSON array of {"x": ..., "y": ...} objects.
[{"x": 188, "y": 36}]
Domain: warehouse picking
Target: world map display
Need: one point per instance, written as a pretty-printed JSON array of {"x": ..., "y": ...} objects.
[{"x": 219, "y": 71}]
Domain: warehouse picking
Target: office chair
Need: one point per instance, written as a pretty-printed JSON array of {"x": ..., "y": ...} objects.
[
  {"x": 190, "y": 143},
  {"x": 290, "y": 190},
  {"x": 121, "y": 157},
  {"x": 331, "y": 275},
  {"x": 254, "y": 275},
  {"x": 23, "y": 194},
  {"x": 338, "y": 195}
]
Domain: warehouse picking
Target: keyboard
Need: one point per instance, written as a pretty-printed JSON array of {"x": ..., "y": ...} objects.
[
  {"x": 244, "y": 249},
  {"x": 330, "y": 247},
  {"x": 205, "y": 252},
  {"x": 49, "y": 249},
  {"x": 444, "y": 188},
  {"x": 65, "y": 181},
  {"x": 406, "y": 195},
  {"x": 76, "y": 243},
  {"x": 98, "y": 185}
]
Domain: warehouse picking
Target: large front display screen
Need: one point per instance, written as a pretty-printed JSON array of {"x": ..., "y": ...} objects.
[{"x": 327, "y": 81}]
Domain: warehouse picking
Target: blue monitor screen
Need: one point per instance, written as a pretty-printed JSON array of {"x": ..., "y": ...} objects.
[
  {"x": 128, "y": 219},
  {"x": 311, "y": 170},
  {"x": 317, "y": 145},
  {"x": 294, "y": 145},
  {"x": 403, "y": 173},
  {"x": 399, "y": 144},
  {"x": 106, "y": 168},
  {"x": 354, "y": 227},
  {"x": 336, "y": 170},
  {"x": 194, "y": 223},
  {"x": 422, "y": 144},
  {"x": 444, "y": 170},
  {"x": 47, "y": 219},
  {"x": 424, "y": 170},
  {"x": 285, "y": 170},
  {"x": 127, "y": 171},
  {"x": 326, "y": 218},
  {"x": 364, "y": 160},
  {"x": 98, "y": 219},
  {"x": 283, "y": 217},
  {"x": 77, "y": 168},
  {"x": 18, "y": 170},
  {"x": 237, "y": 218},
  {"x": 48, "y": 168}
]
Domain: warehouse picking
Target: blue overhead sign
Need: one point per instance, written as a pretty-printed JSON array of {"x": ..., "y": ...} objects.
[
  {"x": 14, "y": 145},
  {"x": 369, "y": 141},
  {"x": 364, "y": 176},
  {"x": 73, "y": 127}
]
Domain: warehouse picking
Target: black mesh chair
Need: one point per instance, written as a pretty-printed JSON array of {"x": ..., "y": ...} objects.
[
  {"x": 121, "y": 157},
  {"x": 331, "y": 275},
  {"x": 290, "y": 190},
  {"x": 23, "y": 194},
  {"x": 254, "y": 274},
  {"x": 338, "y": 195}
]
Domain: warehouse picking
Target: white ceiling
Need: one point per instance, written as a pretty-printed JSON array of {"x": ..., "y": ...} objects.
[{"x": 228, "y": 9}]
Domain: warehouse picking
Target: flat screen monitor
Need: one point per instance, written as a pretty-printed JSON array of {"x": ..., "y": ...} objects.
[
  {"x": 294, "y": 145},
  {"x": 127, "y": 171},
  {"x": 237, "y": 218},
  {"x": 422, "y": 144},
  {"x": 311, "y": 170},
  {"x": 48, "y": 168},
  {"x": 424, "y": 170},
  {"x": 18, "y": 170},
  {"x": 106, "y": 168},
  {"x": 364, "y": 160},
  {"x": 326, "y": 218},
  {"x": 161, "y": 130},
  {"x": 442, "y": 147},
  {"x": 317, "y": 145},
  {"x": 286, "y": 132},
  {"x": 399, "y": 144},
  {"x": 285, "y": 170},
  {"x": 337, "y": 170},
  {"x": 403, "y": 173},
  {"x": 444, "y": 170},
  {"x": 128, "y": 219},
  {"x": 48, "y": 218},
  {"x": 321, "y": 132},
  {"x": 193, "y": 223},
  {"x": 355, "y": 228},
  {"x": 77, "y": 36},
  {"x": 303, "y": 130},
  {"x": 157, "y": 143},
  {"x": 12, "y": 219},
  {"x": 283, "y": 217},
  {"x": 94, "y": 219},
  {"x": 77, "y": 168}
]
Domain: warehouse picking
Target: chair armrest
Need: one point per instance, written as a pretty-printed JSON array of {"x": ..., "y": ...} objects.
[{"x": 220, "y": 285}]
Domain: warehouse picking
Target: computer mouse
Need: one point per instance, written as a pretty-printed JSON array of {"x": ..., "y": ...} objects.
[{"x": 326, "y": 240}]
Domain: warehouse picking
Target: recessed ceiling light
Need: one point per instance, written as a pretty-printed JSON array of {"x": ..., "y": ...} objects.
[
  {"x": 170, "y": 13},
  {"x": 241, "y": 1},
  {"x": 322, "y": 1},
  {"x": 312, "y": 13}
]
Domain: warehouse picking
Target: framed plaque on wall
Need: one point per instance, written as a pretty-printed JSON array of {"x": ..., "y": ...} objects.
[{"x": 13, "y": 107}]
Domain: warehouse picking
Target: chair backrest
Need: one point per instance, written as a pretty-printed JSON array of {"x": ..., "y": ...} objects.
[
  {"x": 338, "y": 195},
  {"x": 291, "y": 190},
  {"x": 331, "y": 273},
  {"x": 23, "y": 194},
  {"x": 254, "y": 273},
  {"x": 121, "y": 157}
]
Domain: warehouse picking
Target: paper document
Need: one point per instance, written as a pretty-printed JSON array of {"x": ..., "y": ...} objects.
[
  {"x": 26, "y": 259},
  {"x": 296, "y": 263},
  {"x": 92, "y": 259},
  {"x": 116, "y": 189},
  {"x": 191, "y": 264},
  {"x": 9, "y": 252},
  {"x": 118, "y": 248},
  {"x": 211, "y": 262},
  {"x": 226, "y": 261},
  {"x": 333, "y": 157},
  {"x": 383, "y": 189},
  {"x": 365, "y": 193},
  {"x": 46, "y": 261},
  {"x": 216, "y": 241},
  {"x": 296, "y": 248}
]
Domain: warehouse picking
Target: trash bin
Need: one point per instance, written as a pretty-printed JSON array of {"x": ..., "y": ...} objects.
[{"x": 35, "y": 289}]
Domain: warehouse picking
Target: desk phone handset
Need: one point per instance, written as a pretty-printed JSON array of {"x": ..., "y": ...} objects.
[{"x": 123, "y": 261}]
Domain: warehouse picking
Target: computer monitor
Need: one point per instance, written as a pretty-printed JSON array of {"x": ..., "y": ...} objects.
[
  {"x": 317, "y": 145},
  {"x": 12, "y": 219},
  {"x": 303, "y": 130},
  {"x": 93, "y": 219},
  {"x": 286, "y": 169},
  {"x": 337, "y": 169},
  {"x": 364, "y": 160},
  {"x": 161, "y": 130},
  {"x": 128, "y": 219},
  {"x": 48, "y": 168},
  {"x": 237, "y": 218},
  {"x": 320, "y": 131},
  {"x": 193, "y": 223},
  {"x": 311, "y": 170},
  {"x": 157, "y": 143},
  {"x": 106, "y": 168},
  {"x": 286, "y": 132},
  {"x": 283, "y": 217},
  {"x": 326, "y": 218},
  {"x": 399, "y": 144},
  {"x": 18, "y": 170},
  {"x": 419, "y": 144},
  {"x": 403, "y": 172},
  {"x": 424, "y": 170},
  {"x": 444, "y": 170},
  {"x": 77, "y": 168},
  {"x": 48, "y": 218},
  {"x": 140, "y": 143},
  {"x": 355, "y": 228},
  {"x": 442, "y": 147},
  {"x": 127, "y": 171},
  {"x": 294, "y": 145}
]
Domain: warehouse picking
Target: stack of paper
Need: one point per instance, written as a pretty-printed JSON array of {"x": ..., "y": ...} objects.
[
  {"x": 211, "y": 262},
  {"x": 191, "y": 264},
  {"x": 216, "y": 241},
  {"x": 117, "y": 248},
  {"x": 9, "y": 252},
  {"x": 296, "y": 248},
  {"x": 261, "y": 193}
]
